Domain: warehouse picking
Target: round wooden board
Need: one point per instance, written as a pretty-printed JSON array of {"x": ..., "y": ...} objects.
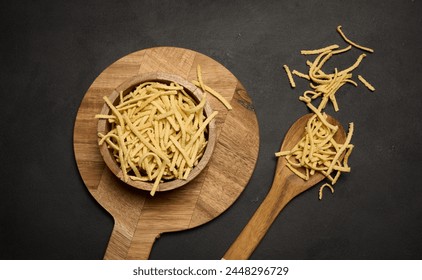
[{"x": 139, "y": 218}]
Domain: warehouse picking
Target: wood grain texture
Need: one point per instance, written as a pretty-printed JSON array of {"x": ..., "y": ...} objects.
[
  {"x": 128, "y": 86},
  {"x": 286, "y": 186},
  {"x": 139, "y": 218}
]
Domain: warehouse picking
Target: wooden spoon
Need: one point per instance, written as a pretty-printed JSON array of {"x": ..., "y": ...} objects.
[{"x": 286, "y": 185}]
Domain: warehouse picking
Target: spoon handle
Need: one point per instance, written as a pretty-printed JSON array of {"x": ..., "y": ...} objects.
[{"x": 279, "y": 195}]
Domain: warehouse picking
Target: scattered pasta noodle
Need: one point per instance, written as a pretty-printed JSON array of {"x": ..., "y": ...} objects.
[
  {"x": 366, "y": 83},
  {"x": 158, "y": 132},
  {"x": 318, "y": 151},
  {"x": 351, "y": 42},
  {"x": 200, "y": 83},
  {"x": 289, "y": 76},
  {"x": 318, "y": 51},
  {"x": 324, "y": 84},
  {"x": 322, "y": 187}
]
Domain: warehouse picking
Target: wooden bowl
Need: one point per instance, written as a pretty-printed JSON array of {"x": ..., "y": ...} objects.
[{"x": 128, "y": 86}]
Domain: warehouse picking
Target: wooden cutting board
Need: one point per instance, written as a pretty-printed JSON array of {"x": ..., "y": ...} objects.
[{"x": 139, "y": 218}]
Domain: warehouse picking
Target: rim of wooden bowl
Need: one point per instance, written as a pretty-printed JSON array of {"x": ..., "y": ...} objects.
[{"x": 127, "y": 86}]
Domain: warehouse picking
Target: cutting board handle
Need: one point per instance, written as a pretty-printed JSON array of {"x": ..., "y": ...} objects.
[
  {"x": 138, "y": 247},
  {"x": 132, "y": 236}
]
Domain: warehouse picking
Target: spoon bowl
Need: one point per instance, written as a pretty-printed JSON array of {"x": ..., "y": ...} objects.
[{"x": 286, "y": 186}]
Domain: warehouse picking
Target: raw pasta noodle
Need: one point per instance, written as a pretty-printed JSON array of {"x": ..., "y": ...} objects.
[
  {"x": 157, "y": 132},
  {"x": 322, "y": 187},
  {"x": 301, "y": 75},
  {"x": 324, "y": 84},
  {"x": 205, "y": 88},
  {"x": 289, "y": 76},
  {"x": 318, "y": 150},
  {"x": 366, "y": 83},
  {"x": 351, "y": 42},
  {"x": 318, "y": 51}
]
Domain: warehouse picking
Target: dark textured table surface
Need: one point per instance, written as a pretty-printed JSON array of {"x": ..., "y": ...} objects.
[{"x": 52, "y": 51}]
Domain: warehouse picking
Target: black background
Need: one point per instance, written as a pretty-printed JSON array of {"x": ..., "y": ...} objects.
[{"x": 51, "y": 52}]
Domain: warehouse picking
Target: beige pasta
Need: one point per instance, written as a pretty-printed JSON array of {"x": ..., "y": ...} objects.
[
  {"x": 318, "y": 51},
  {"x": 289, "y": 76},
  {"x": 200, "y": 83},
  {"x": 351, "y": 42},
  {"x": 158, "y": 132},
  {"x": 366, "y": 83},
  {"x": 318, "y": 150},
  {"x": 322, "y": 187},
  {"x": 324, "y": 85}
]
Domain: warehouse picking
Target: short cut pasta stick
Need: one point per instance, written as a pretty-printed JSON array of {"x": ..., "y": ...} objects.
[
  {"x": 289, "y": 76},
  {"x": 366, "y": 83}
]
